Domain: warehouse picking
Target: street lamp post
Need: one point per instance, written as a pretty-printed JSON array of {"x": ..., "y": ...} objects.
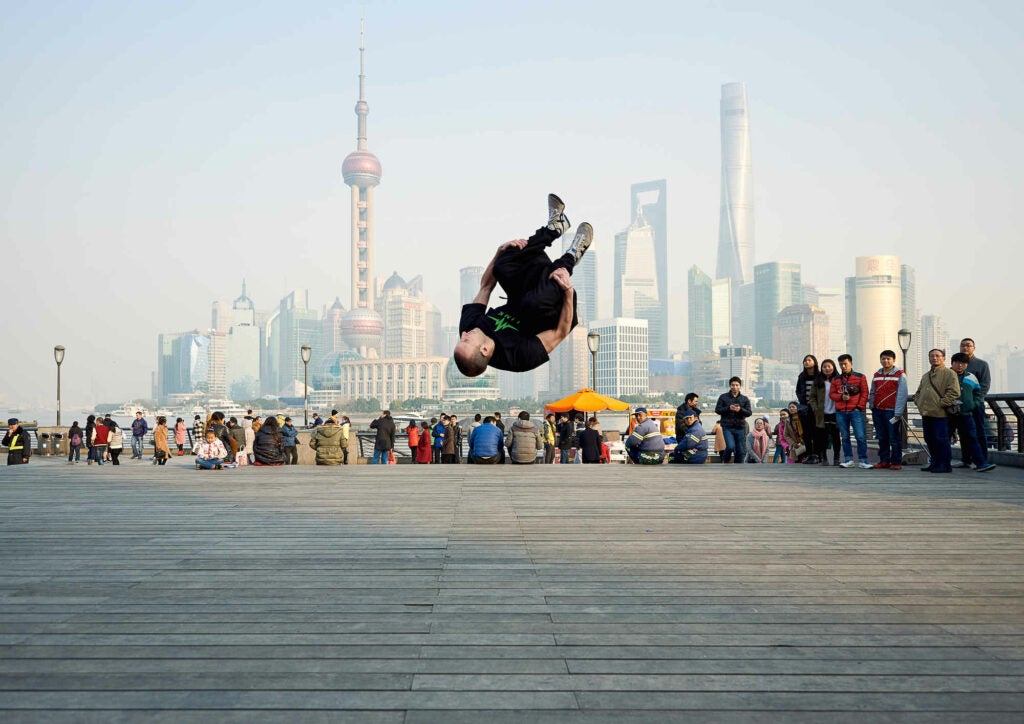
[
  {"x": 904, "y": 336},
  {"x": 307, "y": 352},
  {"x": 58, "y": 356},
  {"x": 593, "y": 343}
]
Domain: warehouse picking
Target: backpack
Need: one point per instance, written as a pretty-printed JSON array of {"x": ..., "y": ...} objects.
[{"x": 76, "y": 439}]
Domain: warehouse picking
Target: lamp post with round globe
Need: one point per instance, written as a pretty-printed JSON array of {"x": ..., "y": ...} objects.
[
  {"x": 904, "y": 336},
  {"x": 307, "y": 352},
  {"x": 593, "y": 344},
  {"x": 58, "y": 356}
]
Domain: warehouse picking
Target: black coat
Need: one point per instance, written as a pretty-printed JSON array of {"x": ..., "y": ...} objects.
[
  {"x": 728, "y": 418},
  {"x": 268, "y": 447},
  {"x": 590, "y": 445},
  {"x": 385, "y": 428}
]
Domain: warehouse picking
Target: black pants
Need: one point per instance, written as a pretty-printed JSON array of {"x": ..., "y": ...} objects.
[
  {"x": 291, "y": 455},
  {"x": 831, "y": 435},
  {"x": 448, "y": 459},
  {"x": 437, "y": 455},
  {"x": 810, "y": 439},
  {"x": 114, "y": 455},
  {"x": 523, "y": 274}
]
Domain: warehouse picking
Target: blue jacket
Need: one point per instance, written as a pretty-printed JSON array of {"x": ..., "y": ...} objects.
[
  {"x": 485, "y": 441},
  {"x": 647, "y": 436},
  {"x": 139, "y": 427},
  {"x": 289, "y": 435},
  {"x": 692, "y": 446},
  {"x": 439, "y": 435},
  {"x": 970, "y": 393}
]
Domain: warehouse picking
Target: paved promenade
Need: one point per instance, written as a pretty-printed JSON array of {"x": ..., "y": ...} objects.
[{"x": 516, "y": 594}]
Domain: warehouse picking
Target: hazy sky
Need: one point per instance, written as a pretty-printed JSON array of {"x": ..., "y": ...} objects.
[{"x": 153, "y": 154}]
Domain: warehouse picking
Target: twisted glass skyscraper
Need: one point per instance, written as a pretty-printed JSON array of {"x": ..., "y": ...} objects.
[{"x": 736, "y": 223}]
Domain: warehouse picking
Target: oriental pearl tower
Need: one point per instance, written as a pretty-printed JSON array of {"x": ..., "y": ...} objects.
[{"x": 362, "y": 328}]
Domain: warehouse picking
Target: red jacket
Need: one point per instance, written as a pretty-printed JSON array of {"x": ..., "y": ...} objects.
[
  {"x": 99, "y": 434},
  {"x": 842, "y": 383}
]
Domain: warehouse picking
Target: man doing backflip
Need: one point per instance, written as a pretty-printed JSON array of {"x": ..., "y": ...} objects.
[{"x": 540, "y": 310}]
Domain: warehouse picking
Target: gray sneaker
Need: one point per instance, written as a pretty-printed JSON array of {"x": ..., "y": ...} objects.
[
  {"x": 557, "y": 220},
  {"x": 584, "y": 238}
]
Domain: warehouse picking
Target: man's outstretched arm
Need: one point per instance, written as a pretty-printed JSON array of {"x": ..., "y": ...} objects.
[{"x": 552, "y": 337}]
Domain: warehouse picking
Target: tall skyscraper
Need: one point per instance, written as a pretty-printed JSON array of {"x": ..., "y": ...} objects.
[
  {"x": 362, "y": 326},
  {"x": 636, "y": 280},
  {"x": 469, "y": 283},
  {"x": 776, "y": 286},
  {"x": 831, "y": 299},
  {"x": 873, "y": 308},
  {"x": 935, "y": 336},
  {"x": 721, "y": 314},
  {"x": 569, "y": 368},
  {"x": 648, "y": 200},
  {"x": 800, "y": 329},
  {"x": 911, "y": 319},
  {"x": 622, "y": 360},
  {"x": 744, "y": 321},
  {"x": 404, "y": 308},
  {"x": 736, "y": 221},
  {"x": 242, "y": 368},
  {"x": 294, "y": 325},
  {"x": 699, "y": 313}
]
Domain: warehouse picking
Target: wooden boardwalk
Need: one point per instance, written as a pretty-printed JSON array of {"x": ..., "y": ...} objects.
[{"x": 515, "y": 594}]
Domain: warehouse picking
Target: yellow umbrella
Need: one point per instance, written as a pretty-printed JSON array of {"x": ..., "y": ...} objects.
[{"x": 586, "y": 400}]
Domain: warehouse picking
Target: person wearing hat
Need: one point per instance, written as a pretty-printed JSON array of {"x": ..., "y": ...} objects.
[
  {"x": 17, "y": 442},
  {"x": 693, "y": 447},
  {"x": 645, "y": 446},
  {"x": 289, "y": 438},
  {"x": 334, "y": 414},
  {"x": 317, "y": 422}
]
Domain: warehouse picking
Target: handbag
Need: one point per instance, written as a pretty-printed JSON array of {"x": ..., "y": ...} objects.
[
  {"x": 798, "y": 450},
  {"x": 241, "y": 460}
]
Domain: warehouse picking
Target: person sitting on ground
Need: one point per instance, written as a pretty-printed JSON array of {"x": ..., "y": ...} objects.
[
  {"x": 485, "y": 443},
  {"x": 268, "y": 447},
  {"x": 540, "y": 310},
  {"x": 692, "y": 447},
  {"x": 645, "y": 445},
  {"x": 524, "y": 440},
  {"x": 327, "y": 441},
  {"x": 794, "y": 433},
  {"x": 237, "y": 433},
  {"x": 590, "y": 443},
  {"x": 210, "y": 453},
  {"x": 758, "y": 442}
]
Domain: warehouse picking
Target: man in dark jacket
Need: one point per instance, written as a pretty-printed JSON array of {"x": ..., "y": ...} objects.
[
  {"x": 590, "y": 443},
  {"x": 17, "y": 442},
  {"x": 733, "y": 409},
  {"x": 139, "y": 430},
  {"x": 566, "y": 438},
  {"x": 384, "y": 443},
  {"x": 690, "y": 404},
  {"x": 289, "y": 437}
]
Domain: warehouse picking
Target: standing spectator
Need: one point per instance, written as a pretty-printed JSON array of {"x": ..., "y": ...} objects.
[
  {"x": 439, "y": 432},
  {"x": 548, "y": 434},
  {"x": 161, "y": 451},
  {"x": 936, "y": 396},
  {"x": 316, "y": 422},
  {"x": 115, "y": 442},
  {"x": 805, "y": 386},
  {"x": 424, "y": 450},
  {"x": 691, "y": 403},
  {"x": 90, "y": 425},
  {"x": 384, "y": 442},
  {"x": 100, "y": 434},
  {"x": 780, "y": 438},
  {"x": 75, "y": 440},
  {"x": 237, "y": 433},
  {"x": 692, "y": 447},
  {"x": 457, "y": 434},
  {"x": 485, "y": 442},
  {"x": 290, "y": 440},
  {"x": 979, "y": 368},
  {"x": 828, "y": 373},
  {"x": 210, "y": 452},
  {"x": 180, "y": 432},
  {"x": 850, "y": 393},
  {"x": 268, "y": 447},
  {"x": 18, "y": 443},
  {"x": 733, "y": 409},
  {"x": 250, "y": 437},
  {"x": 412, "y": 433},
  {"x": 326, "y": 440},
  {"x": 139, "y": 429},
  {"x": 796, "y": 437},
  {"x": 199, "y": 430},
  {"x": 970, "y": 398},
  {"x": 448, "y": 447},
  {"x": 590, "y": 443},
  {"x": 501, "y": 426},
  {"x": 346, "y": 429},
  {"x": 645, "y": 445},
  {"x": 888, "y": 400},
  {"x": 566, "y": 432},
  {"x": 523, "y": 440},
  {"x": 758, "y": 442}
]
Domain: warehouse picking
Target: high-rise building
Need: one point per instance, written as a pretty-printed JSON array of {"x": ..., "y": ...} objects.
[
  {"x": 242, "y": 366},
  {"x": 935, "y": 336},
  {"x": 469, "y": 283},
  {"x": 331, "y": 338},
  {"x": 622, "y": 360},
  {"x": 744, "y": 317},
  {"x": 736, "y": 221},
  {"x": 809, "y": 294},
  {"x": 831, "y": 299},
  {"x": 183, "y": 363},
  {"x": 649, "y": 200},
  {"x": 777, "y": 285},
  {"x": 294, "y": 325},
  {"x": 584, "y": 280},
  {"x": 699, "y": 313},
  {"x": 569, "y": 368},
  {"x": 800, "y": 330},
  {"x": 216, "y": 381},
  {"x": 873, "y": 308},
  {"x": 911, "y": 319},
  {"x": 637, "y": 283},
  {"x": 362, "y": 327},
  {"x": 721, "y": 314},
  {"x": 738, "y": 361},
  {"x": 403, "y": 306},
  {"x": 167, "y": 375},
  {"x": 437, "y": 340}
]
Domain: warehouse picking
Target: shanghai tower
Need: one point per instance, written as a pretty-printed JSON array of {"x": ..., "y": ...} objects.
[{"x": 736, "y": 223}]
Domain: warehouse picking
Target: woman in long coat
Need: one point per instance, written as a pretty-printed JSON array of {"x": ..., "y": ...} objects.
[
  {"x": 179, "y": 435},
  {"x": 424, "y": 450},
  {"x": 160, "y": 442}
]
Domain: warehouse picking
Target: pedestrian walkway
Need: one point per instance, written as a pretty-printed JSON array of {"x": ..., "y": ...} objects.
[{"x": 510, "y": 594}]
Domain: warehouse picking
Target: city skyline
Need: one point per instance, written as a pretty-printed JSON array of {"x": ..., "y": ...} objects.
[{"x": 223, "y": 164}]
